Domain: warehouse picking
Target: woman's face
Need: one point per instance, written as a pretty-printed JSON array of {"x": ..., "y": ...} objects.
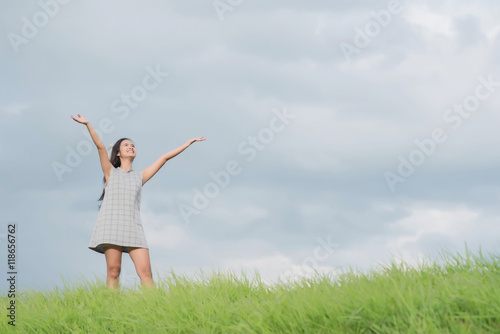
[{"x": 127, "y": 149}]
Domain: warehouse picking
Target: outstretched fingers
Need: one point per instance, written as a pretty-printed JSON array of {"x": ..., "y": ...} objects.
[{"x": 80, "y": 119}]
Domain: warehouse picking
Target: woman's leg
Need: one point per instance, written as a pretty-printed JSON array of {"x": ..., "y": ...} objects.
[
  {"x": 113, "y": 254},
  {"x": 140, "y": 257}
]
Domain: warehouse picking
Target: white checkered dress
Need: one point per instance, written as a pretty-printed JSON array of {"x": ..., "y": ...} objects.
[{"x": 119, "y": 219}]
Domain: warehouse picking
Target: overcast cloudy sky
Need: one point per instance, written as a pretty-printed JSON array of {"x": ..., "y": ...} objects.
[{"x": 348, "y": 132}]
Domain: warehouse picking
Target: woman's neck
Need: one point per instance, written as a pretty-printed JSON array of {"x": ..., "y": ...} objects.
[{"x": 126, "y": 164}]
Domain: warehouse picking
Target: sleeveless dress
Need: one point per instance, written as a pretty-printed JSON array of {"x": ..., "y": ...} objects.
[{"x": 119, "y": 219}]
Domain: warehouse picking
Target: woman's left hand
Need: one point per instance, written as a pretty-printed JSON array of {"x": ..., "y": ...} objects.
[{"x": 196, "y": 139}]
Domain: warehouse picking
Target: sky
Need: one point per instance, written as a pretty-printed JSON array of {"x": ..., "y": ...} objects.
[{"x": 339, "y": 134}]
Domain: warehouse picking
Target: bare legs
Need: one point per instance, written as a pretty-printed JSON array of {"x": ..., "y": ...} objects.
[
  {"x": 113, "y": 254},
  {"x": 140, "y": 257}
]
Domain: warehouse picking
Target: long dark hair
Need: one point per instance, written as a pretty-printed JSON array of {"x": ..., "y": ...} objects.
[{"x": 115, "y": 161}]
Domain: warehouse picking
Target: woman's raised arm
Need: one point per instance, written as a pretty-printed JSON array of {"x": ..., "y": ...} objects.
[
  {"x": 155, "y": 167},
  {"x": 101, "y": 149},
  {"x": 97, "y": 141}
]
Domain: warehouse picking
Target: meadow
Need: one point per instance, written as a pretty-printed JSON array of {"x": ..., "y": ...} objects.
[{"x": 455, "y": 294}]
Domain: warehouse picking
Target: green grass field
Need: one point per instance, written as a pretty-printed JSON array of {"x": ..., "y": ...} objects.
[{"x": 458, "y": 294}]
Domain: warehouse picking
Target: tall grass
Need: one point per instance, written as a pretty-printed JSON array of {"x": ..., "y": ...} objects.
[{"x": 458, "y": 295}]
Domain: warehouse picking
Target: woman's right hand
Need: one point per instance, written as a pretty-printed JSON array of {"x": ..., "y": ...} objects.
[{"x": 80, "y": 119}]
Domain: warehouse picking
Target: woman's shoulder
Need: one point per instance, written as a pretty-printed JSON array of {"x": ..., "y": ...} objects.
[{"x": 112, "y": 171}]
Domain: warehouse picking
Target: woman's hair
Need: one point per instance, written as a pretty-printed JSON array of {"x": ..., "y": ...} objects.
[{"x": 115, "y": 161}]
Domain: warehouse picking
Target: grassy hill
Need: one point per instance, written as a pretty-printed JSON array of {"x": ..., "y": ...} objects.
[{"x": 461, "y": 294}]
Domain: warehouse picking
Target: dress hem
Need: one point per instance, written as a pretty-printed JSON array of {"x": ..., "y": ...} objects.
[{"x": 99, "y": 248}]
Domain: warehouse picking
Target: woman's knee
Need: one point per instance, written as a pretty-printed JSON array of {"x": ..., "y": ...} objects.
[
  {"x": 113, "y": 255},
  {"x": 114, "y": 271},
  {"x": 144, "y": 271}
]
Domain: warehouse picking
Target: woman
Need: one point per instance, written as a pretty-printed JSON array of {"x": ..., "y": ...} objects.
[{"x": 119, "y": 228}]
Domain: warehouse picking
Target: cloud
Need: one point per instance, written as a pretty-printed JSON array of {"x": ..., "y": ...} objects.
[{"x": 15, "y": 108}]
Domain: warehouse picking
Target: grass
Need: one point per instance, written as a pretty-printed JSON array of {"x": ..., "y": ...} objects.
[{"x": 460, "y": 294}]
